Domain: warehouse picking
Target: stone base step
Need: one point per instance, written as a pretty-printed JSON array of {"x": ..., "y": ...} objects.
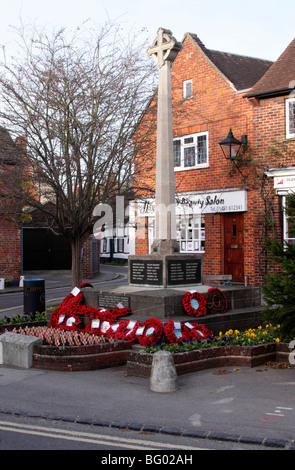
[{"x": 166, "y": 303}]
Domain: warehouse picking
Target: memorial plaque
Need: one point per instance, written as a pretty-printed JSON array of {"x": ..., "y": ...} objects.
[
  {"x": 146, "y": 272},
  {"x": 110, "y": 301},
  {"x": 138, "y": 272},
  {"x": 184, "y": 272},
  {"x": 154, "y": 272}
]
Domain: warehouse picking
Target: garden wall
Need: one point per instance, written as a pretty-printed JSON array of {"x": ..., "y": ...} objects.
[
  {"x": 81, "y": 358},
  {"x": 139, "y": 363},
  {"x": 118, "y": 353}
]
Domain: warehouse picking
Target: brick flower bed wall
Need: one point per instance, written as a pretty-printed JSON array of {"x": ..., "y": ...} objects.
[
  {"x": 81, "y": 358},
  {"x": 139, "y": 364},
  {"x": 118, "y": 353},
  {"x": 283, "y": 353}
]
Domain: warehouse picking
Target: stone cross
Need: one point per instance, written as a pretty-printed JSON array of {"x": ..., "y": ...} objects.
[{"x": 164, "y": 50}]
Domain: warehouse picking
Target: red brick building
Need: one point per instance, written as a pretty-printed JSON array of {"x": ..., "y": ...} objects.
[
  {"x": 273, "y": 100},
  {"x": 223, "y": 206},
  {"x": 10, "y": 230}
]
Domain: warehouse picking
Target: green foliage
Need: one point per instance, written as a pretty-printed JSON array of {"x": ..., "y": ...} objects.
[
  {"x": 30, "y": 317},
  {"x": 279, "y": 288}
]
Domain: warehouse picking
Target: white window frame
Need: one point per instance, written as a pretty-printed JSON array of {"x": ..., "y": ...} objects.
[
  {"x": 190, "y": 232},
  {"x": 187, "y": 95},
  {"x": 289, "y": 102},
  {"x": 191, "y": 141},
  {"x": 286, "y": 235}
]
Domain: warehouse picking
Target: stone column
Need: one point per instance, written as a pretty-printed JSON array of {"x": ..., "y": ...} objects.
[
  {"x": 165, "y": 266},
  {"x": 164, "y": 50}
]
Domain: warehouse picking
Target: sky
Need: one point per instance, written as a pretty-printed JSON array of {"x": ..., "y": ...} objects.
[{"x": 256, "y": 28}]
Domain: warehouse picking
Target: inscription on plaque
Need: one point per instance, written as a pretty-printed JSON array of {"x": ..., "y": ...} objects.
[
  {"x": 146, "y": 272},
  {"x": 184, "y": 272},
  {"x": 111, "y": 301}
]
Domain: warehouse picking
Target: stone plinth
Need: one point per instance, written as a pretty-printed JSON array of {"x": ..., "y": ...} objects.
[
  {"x": 17, "y": 350},
  {"x": 244, "y": 304},
  {"x": 165, "y": 271}
]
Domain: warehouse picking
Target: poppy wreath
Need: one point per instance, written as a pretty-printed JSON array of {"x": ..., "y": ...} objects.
[
  {"x": 169, "y": 331},
  {"x": 153, "y": 331},
  {"x": 66, "y": 311},
  {"x": 113, "y": 329},
  {"x": 120, "y": 312},
  {"x": 104, "y": 328},
  {"x": 97, "y": 313},
  {"x": 216, "y": 301},
  {"x": 124, "y": 333},
  {"x": 198, "y": 300},
  {"x": 121, "y": 330},
  {"x": 57, "y": 317},
  {"x": 197, "y": 331},
  {"x": 85, "y": 285},
  {"x": 92, "y": 327},
  {"x": 131, "y": 333},
  {"x": 111, "y": 315},
  {"x": 106, "y": 315},
  {"x": 72, "y": 300},
  {"x": 84, "y": 310},
  {"x": 71, "y": 322}
]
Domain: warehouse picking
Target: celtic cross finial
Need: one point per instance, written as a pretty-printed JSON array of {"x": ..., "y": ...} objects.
[{"x": 164, "y": 48}]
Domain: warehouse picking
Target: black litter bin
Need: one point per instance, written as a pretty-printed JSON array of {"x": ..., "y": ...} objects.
[{"x": 34, "y": 295}]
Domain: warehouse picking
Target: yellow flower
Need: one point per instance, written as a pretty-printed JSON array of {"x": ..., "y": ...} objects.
[
  {"x": 260, "y": 328},
  {"x": 220, "y": 334},
  {"x": 277, "y": 340},
  {"x": 237, "y": 332}
]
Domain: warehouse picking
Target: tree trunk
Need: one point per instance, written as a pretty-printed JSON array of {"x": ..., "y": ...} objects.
[{"x": 76, "y": 246}]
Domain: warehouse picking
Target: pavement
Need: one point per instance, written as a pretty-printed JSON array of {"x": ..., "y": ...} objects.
[
  {"x": 253, "y": 406},
  {"x": 238, "y": 405}
]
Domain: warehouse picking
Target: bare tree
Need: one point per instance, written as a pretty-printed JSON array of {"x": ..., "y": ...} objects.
[{"x": 76, "y": 100}]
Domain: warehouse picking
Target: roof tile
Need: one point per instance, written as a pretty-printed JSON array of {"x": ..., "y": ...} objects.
[{"x": 242, "y": 71}]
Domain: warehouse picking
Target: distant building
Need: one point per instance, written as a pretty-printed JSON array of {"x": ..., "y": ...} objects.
[{"x": 31, "y": 245}]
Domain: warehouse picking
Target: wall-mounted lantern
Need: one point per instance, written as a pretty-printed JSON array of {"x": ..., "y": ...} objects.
[{"x": 231, "y": 147}]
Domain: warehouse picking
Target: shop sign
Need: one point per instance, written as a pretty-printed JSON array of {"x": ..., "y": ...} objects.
[
  {"x": 282, "y": 182},
  {"x": 204, "y": 203}
]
